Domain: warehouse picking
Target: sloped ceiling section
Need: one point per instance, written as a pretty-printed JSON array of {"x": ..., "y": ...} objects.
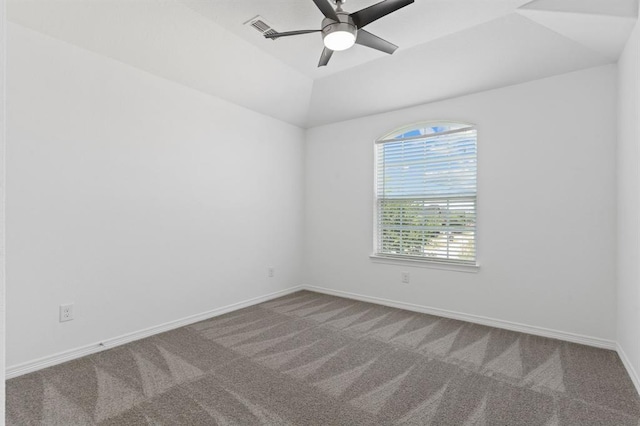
[
  {"x": 170, "y": 40},
  {"x": 419, "y": 23},
  {"x": 622, "y": 8},
  {"x": 601, "y": 26},
  {"x": 540, "y": 39},
  {"x": 447, "y": 48}
]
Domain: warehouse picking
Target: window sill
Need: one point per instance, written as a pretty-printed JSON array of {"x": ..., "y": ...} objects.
[{"x": 424, "y": 264}]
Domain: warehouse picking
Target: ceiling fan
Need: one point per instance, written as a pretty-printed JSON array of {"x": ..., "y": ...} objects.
[{"x": 340, "y": 29}]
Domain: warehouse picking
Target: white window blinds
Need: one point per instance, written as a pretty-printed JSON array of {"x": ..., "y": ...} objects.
[{"x": 426, "y": 194}]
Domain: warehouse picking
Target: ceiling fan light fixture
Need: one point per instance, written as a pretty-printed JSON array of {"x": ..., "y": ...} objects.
[
  {"x": 339, "y": 40},
  {"x": 339, "y": 35}
]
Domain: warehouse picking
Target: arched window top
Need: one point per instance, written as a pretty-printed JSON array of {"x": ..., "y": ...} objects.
[{"x": 429, "y": 128}]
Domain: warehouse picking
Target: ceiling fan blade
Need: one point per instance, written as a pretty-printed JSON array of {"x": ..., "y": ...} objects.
[
  {"x": 365, "y": 38},
  {"x": 369, "y": 14},
  {"x": 324, "y": 58},
  {"x": 290, "y": 33},
  {"x": 326, "y": 9}
]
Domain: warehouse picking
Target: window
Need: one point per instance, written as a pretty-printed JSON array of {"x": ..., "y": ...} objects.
[{"x": 426, "y": 193}]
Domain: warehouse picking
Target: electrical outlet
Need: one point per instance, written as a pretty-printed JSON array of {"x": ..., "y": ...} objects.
[
  {"x": 405, "y": 277},
  {"x": 271, "y": 272},
  {"x": 66, "y": 312}
]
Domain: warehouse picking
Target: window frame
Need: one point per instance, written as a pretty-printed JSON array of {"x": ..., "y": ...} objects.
[{"x": 421, "y": 261}]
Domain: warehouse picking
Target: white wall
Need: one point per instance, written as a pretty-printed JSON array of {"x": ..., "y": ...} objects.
[
  {"x": 629, "y": 205},
  {"x": 546, "y": 206},
  {"x": 2, "y": 208},
  {"x": 137, "y": 199}
]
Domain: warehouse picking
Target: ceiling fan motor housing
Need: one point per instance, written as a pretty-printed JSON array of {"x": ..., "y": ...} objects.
[{"x": 345, "y": 25}]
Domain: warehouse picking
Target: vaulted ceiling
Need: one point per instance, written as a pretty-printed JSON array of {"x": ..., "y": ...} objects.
[{"x": 447, "y": 48}]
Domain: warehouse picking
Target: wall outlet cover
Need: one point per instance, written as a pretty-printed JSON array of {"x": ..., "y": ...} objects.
[{"x": 66, "y": 312}]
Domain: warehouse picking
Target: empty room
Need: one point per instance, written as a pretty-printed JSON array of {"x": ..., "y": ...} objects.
[{"x": 320, "y": 212}]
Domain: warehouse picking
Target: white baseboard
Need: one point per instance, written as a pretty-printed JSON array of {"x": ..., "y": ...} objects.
[
  {"x": 48, "y": 361},
  {"x": 491, "y": 322},
  {"x": 627, "y": 364}
]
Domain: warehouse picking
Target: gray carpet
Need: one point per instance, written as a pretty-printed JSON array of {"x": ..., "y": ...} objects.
[{"x": 312, "y": 359}]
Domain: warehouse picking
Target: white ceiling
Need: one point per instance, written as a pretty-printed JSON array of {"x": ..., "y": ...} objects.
[
  {"x": 416, "y": 24},
  {"x": 447, "y": 48}
]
